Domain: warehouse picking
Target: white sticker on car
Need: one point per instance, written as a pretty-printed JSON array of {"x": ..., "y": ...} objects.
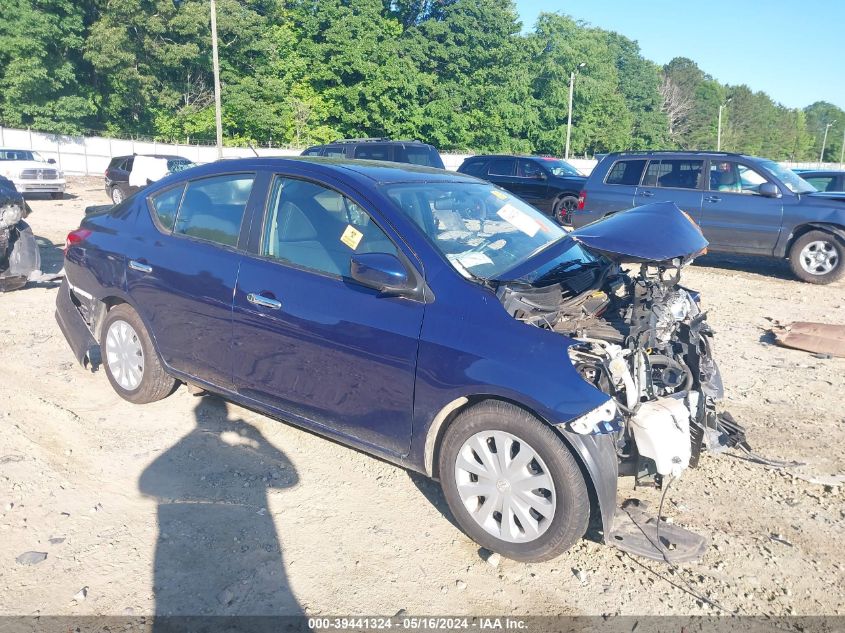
[{"x": 519, "y": 219}]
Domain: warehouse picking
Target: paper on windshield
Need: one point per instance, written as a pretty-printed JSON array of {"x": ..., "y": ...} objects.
[
  {"x": 519, "y": 219},
  {"x": 468, "y": 260}
]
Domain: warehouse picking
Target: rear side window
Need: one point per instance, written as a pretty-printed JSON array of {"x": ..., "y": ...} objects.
[
  {"x": 166, "y": 204},
  {"x": 373, "y": 152},
  {"x": 212, "y": 208},
  {"x": 626, "y": 172},
  {"x": 674, "y": 173},
  {"x": 313, "y": 151},
  {"x": 334, "y": 152},
  {"x": 822, "y": 183},
  {"x": 501, "y": 167}
]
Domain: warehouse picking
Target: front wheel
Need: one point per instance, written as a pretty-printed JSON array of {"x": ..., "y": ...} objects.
[
  {"x": 817, "y": 257},
  {"x": 132, "y": 364},
  {"x": 512, "y": 484},
  {"x": 117, "y": 194},
  {"x": 563, "y": 208}
]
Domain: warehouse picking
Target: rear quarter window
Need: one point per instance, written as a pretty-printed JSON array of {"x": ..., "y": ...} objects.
[
  {"x": 165, "y": 205},
  {"x": 625, "y": 172}
]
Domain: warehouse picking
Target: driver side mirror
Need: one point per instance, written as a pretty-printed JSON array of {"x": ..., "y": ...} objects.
[
  {"x": 769, "y": 190},
  {"x": 381, "y": 271}
]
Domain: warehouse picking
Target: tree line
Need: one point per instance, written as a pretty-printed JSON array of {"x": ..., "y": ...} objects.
[{"x": 460, "y": 74}]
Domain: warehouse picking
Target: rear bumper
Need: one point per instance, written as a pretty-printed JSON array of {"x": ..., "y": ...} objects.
[{"x": 73, "y": 326}]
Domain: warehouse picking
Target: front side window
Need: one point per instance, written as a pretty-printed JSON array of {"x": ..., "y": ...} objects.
[
  {"x": 559, "y": 167},
  {"x": 732, "y": 177},
  {"x": 501, "y": 167},
  {"x": 166, "y": 204},
  {"x": 212, "y": 208},
  {"x": 673, "y": 173},
  {"x": 318, "y": 228},
  {"x": 529, "y": 169},
  {"x": 626, "y": 172},
  {"x": 481, "y": 229}
]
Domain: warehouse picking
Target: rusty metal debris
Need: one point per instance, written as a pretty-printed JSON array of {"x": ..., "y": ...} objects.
[{"x": 819, "y": 338}]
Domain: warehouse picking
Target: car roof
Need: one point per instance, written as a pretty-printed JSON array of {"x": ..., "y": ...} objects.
[
  {"x": 367, "y": 141},
  {"x": 169, "y": 156},
  {"x": 368, "y": 171},
  {"x": 479, "y": 156},
  {"x": 680, "y": 152},
  {"x": 822, "y": 172}
]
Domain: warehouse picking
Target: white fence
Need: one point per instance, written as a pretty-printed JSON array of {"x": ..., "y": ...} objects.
[{"x": 89, "y": 156}]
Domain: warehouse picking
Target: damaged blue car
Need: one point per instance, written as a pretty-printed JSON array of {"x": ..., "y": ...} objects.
[
  {"x": 427, "y": 317},
  {"x": 20, "y": 259}
]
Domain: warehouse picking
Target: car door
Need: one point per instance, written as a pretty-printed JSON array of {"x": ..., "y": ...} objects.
[
  {"x": 735, "y": 216},
  {"x": 675, "y": 180},
  {"x": 181, "y": 274},
  {"x": 619, "y": 189},
  {"x": 501, "y": 171},
  {"x": 531, "y": 183},
  {"x": 311, "y": 342}
]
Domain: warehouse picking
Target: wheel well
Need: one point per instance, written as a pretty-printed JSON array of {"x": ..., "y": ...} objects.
[{"x": 832, "y": 229}]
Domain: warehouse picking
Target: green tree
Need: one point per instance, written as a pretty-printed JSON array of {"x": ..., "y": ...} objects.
[
  {"x": 819, "y": 114},
  {"x": 44, "y": 82}
]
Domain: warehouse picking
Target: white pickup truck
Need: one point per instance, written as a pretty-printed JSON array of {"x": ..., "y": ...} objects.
[{"x": 31, "y": 172}]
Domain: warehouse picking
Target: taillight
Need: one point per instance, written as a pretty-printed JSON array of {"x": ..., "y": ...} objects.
[
  {"x": 582, "y": 200},
  {"x": 76, "y": 237}
]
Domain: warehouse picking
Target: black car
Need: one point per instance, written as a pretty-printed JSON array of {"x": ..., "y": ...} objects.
[
  {"x": 117, "y": 173},
  {"x": 413, "y": 152},
  {"x": 824, "y": 179},
  {"x": 550, "y": 184}
]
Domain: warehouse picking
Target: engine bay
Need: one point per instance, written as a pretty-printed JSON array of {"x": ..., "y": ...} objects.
[{"x": 641, "y": 338}]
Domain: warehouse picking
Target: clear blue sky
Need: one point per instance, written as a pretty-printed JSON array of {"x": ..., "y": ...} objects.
[{"x": 792, "y": 50}]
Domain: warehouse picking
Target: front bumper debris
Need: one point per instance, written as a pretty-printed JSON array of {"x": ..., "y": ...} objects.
[{"x": 73, "y": 326}]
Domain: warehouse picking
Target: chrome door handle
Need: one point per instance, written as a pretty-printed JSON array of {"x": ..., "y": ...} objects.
[
  {"x": 141, "y": 268},
  {"x": 647, "y": 194},
  {"x": 264, "y": 302},
  {"x": 713, "y": 199}
]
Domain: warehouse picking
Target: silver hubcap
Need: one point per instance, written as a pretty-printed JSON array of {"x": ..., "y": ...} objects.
[
  {"x": 125, "y": 355},
  {"x": 819, "y": 257},
  {"x": 505, "y": 486},
  {"x": 117, "y": 196}
]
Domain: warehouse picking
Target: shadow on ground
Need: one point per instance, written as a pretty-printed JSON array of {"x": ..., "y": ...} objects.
[{"x": 218, "y": 552}]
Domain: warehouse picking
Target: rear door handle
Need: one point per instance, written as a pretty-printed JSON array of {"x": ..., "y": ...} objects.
[
  {"x": 713, "y": 199},
  {"x": 264, "y": 302},
  {"x": 141, "y": 268},
  {"x": 646, "y": 194}
]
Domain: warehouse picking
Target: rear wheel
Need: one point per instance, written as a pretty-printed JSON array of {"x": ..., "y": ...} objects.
[
  {"x": 817, "y": 257},
  {"x": 563, "y": 208},
  {"x": 512, "y": 484},
  {"x": 117, "y": 194},
  {"x": 132, "y": 364}
]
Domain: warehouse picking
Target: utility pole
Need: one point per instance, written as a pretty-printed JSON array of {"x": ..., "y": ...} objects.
[
  {"x": 719, "y": 130},
  {"x": 569, "y": 120},
  {"x": 824, "y": 140},
  {"x": 218, "y": 108}
]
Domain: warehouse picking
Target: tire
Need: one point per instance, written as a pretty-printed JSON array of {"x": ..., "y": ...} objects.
[
  {"x": 137, "y": 375},
  {"x": 516, "y": 430},
  {"x": 563, "y": 208},
  {"x": 117, "y": 194},
  {"x": 818, "y": 257},
  {"x": 57, "y": 195}
]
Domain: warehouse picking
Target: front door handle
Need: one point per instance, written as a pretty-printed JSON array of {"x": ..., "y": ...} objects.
[
  {"x": 646, "y": 194},
  {"x": 713, "y": 199},
  {"x": 264, "y": 302},
  {"x": 140, "y": 267}
]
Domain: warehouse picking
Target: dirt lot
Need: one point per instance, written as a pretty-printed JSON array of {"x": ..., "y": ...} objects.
[{"x": 82, "y": 473}]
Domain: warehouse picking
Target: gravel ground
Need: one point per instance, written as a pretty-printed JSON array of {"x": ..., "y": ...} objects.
[{"x": 84, "y": 478}]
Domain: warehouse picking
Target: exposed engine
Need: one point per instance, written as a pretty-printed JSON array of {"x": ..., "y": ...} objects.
[{"x": 643, "y": 340}]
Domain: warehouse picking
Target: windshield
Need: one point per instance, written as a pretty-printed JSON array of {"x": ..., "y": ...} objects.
[
  {"x": 560, "y": 167},
  {"x": 793, "y": 181},
  {"x": 481, "y": 229},
  {"x": 21, "y": 154}
]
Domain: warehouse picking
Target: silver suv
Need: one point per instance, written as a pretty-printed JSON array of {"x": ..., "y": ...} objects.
[{"x": 743, "y": 204}]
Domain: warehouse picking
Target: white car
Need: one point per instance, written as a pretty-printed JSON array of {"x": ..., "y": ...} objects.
[{"x": 31, "y": 172}]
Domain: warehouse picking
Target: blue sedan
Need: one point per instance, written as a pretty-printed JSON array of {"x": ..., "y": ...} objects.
[{"x": 426, "y": 317}]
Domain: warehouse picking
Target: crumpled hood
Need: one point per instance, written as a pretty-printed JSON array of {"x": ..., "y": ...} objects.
[{"x": 653, "y": 232}]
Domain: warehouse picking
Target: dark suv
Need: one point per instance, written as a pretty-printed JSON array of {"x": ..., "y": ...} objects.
[
  {"x": 117, "y": 173},
  {"x": 550, "y": 184},
  {"x": 412, "y": 152},
  {"x": 743, "y": 204}
]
